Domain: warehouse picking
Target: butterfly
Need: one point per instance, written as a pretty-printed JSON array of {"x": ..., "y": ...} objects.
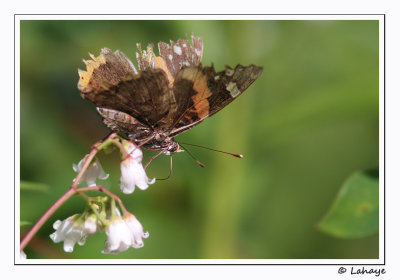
[{"x": 167, "y": 96}]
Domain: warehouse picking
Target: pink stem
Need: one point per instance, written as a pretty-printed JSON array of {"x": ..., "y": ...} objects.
[
  {"x": 46, "y": 216},
  {"x": 88, "y": 159},
  {"x": 73, "y": 189},
  {"x": 106, "y": 191}
]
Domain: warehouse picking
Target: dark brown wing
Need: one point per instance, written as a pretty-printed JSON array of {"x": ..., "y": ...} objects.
[
  {"x": 171, "y": 92},
  {"x": 121, "y": 122},
  {"x": 200, "y": 92},
  {"x": 109, "y": 83}
]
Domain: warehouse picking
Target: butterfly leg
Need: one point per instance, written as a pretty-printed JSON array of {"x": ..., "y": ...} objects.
[
  {"x": 170, "y": 170},
  {"x": 153, "y": 158},
  {"x": 146, "y": 140},
  {"x": 170, "y": 164}
]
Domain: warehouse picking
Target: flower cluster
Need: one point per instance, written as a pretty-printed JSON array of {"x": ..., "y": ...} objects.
[
  {"x": 122, "y": 232},
  {"x": 132, "y": 171},
  {"x": 102, "y": 215}
]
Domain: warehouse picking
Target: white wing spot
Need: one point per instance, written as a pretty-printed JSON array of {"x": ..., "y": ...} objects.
[
  {"x": 177, "y": 50},
  {"x": 216, "y": 78},
  {"x": 229, "y": 72},
  {"x": 233, "y": 90}
]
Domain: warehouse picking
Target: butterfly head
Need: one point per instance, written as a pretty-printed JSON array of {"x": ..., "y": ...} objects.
[{"x": 173, "y": 147}]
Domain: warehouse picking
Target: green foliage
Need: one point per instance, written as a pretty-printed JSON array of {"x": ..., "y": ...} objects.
[
  {"x": 24, "y": 223},
  {"x": 33, "y": 186},
  {"x": 311, "y": 119},
  {"x": 355, "y": 212}
]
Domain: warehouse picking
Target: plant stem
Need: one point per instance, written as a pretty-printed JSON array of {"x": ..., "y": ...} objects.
[
  {"x": 122, "y": 149},
  {"x": 73, "y": 189},
  {"x": 46, "y": 216},
  {"x": 88, "y": 160},
  {"x": 90, "y": 205},
  {"x": 106, "y": 191}
]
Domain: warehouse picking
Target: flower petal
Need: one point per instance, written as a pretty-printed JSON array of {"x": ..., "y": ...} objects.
[
  {"x": 119, "y": 237},
  {"x": 90, "y": 225},
  {"x": 69, "y": 231},
  {"x": 69, "y": 245},
  {"x": 132, "y": 171},
  {"x": 22, "y": 255},
  {"x": 93, "y": 172}
]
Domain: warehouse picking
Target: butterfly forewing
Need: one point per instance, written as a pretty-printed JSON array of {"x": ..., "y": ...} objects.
[{"x": 203, "y": 92}]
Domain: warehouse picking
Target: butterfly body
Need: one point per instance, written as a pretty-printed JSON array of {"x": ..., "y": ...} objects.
[{"x": 169, "y": 94}]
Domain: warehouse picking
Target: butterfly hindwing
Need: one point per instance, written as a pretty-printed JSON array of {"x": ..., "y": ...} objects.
[{"x": 121, "y": 122}]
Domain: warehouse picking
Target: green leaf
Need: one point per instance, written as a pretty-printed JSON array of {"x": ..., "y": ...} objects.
[
  {"x": 33, "y": 186},
  {"x": 355, "y": 212},
  {"x": 24, "y": 223}
]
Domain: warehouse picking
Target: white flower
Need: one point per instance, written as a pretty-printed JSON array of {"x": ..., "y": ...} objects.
[
  {"x": 124, "y": 233},
  {"x": 90, "y": 226},
  {"x": 22, "y": 255},
  {"x": 136, "y": 230},
  {"x": 119, "y": 237},
  {"x": 69, "y": 231},
  {"x": 132, "y": 171},
  {"x": 93, "y": 172}
]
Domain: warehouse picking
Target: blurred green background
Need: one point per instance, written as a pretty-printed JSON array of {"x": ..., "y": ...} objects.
[{"x": 304, "y": 126}]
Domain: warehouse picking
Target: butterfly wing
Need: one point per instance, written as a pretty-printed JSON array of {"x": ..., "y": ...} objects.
[
  {"x": 121, "y": 122},
  {"x": 111, "y": 82},
  {"x": 171, "y": 92},
  {"x": 173, "y": 57},
  {"x": 200, "y": 92},
  {"x": 181, "y": 54}
]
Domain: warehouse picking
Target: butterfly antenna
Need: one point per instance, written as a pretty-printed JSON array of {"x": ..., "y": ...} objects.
[
  {"x": 170, "y": 170},
  {"x": 192, "y": 156},
  {"x": 235, "y": 155}
]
